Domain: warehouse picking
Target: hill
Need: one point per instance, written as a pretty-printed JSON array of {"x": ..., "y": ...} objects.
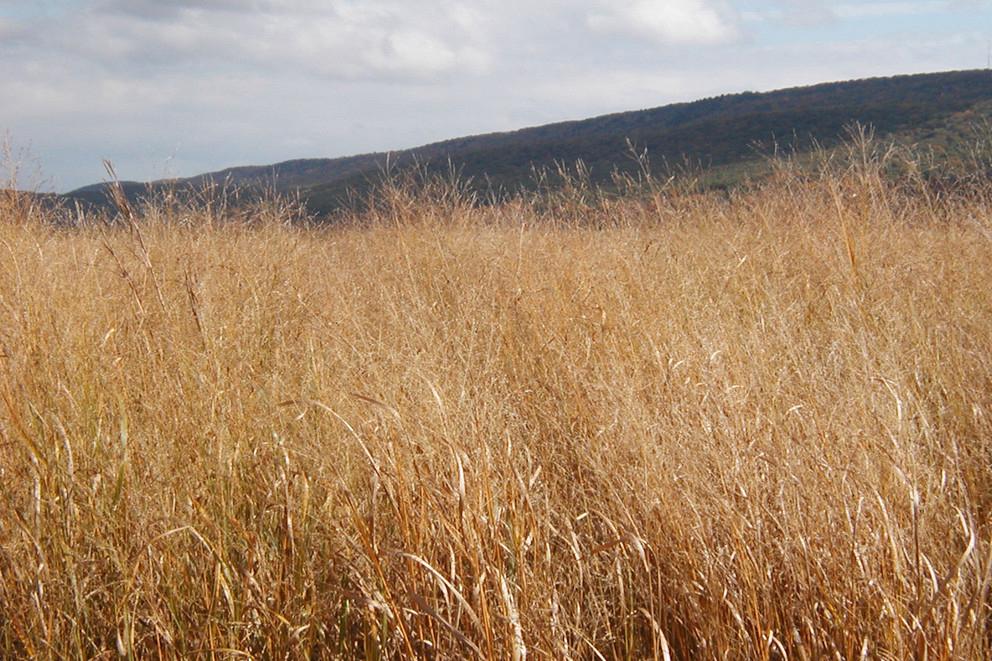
[{"x": 726, "y": 133}]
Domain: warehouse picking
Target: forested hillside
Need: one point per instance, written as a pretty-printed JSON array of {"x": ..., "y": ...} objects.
[{"x": 727, "y": 134}]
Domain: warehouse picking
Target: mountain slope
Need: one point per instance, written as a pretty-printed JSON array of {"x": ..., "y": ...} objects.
[{"x": 722, "y": 131}]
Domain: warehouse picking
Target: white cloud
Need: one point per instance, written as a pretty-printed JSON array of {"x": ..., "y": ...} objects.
[
  {"x": 675, "y": 22},
  {"x": 811, "y": 12},
  {"x": 341, "y": 38},
  {"x": 881, "y": 9},
  {"x": 214, "y": 83}
]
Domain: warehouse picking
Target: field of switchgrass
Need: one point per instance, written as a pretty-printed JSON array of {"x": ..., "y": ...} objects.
[{"x": 677, "y": 425}]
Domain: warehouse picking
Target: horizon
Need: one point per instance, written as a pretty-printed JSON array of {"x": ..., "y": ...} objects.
[
  {"x": 193, "y": 87},
  {"x": 510, "y": 131}
]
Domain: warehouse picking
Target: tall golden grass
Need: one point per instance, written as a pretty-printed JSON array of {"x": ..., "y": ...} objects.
[{"x": 675, "y": 425}]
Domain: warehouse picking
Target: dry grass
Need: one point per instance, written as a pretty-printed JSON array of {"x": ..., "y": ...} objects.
[{"x": 681, "y": 426}]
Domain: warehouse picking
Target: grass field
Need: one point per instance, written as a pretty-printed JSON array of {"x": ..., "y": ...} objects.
[{"x": 681, "y": 426}]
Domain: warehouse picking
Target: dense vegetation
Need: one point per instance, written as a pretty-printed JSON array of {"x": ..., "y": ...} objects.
[
  {"x": 745, "y": 425},
  {"x": 728, "y": 135}
]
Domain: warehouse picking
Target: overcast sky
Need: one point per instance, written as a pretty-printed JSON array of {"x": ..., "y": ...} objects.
[{"x": 175, "y": 88}]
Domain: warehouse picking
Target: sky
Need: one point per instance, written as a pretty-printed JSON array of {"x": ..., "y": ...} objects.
[{"x": 175, "y": 88}]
